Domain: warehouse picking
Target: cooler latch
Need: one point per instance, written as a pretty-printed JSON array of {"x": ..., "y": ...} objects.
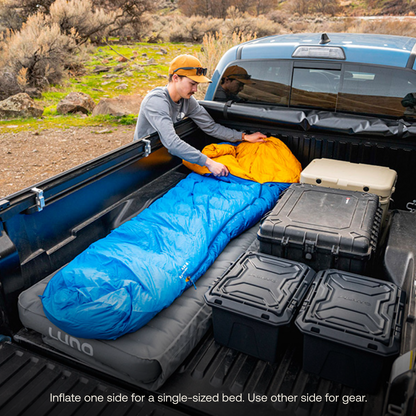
[
  {"x": 40, "y": 200},
  {"x": 147, "y": 147}
]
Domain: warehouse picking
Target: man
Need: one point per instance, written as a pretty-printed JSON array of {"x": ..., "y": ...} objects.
[
  {"x": 232, "y": 82},
  {"x": 163, "y": 106},
  {"x": 409, "y": 101}
]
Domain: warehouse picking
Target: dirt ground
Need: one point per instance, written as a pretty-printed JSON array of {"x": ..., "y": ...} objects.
[{"x": 27, "y": 158}]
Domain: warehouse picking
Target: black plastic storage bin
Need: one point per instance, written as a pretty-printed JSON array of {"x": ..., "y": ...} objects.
[
  {"x": 351, "y": 326},
  {"x": 323, "y": 227},
  {"x": 256, "y": 296}
]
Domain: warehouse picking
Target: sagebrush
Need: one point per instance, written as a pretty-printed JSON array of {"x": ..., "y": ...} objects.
[
  {"x": 47, "y": 44},
  {"x": 39, "y": 52}
]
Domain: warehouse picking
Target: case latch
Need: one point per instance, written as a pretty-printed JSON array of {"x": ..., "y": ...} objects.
[
  {"x": 284, "y": 244},
  {"x": 40, "y": 200},
  {"x": 334, "y": 256},
  {"x": 147, "y": 147},
  {"x": 309, "y": 249}
]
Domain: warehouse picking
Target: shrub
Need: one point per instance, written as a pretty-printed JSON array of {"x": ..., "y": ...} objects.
[
  {"x": 261, "y": 26},
  {"x": 298, "y": 6},
  {"x": 303, "y": 7},
  {"x": 397, "y": 7},
  {"x": 13, "y": 13},
  {"x": 386, "y": 27},
  {"x": 205, "y": 8},
  {"x": 39, "y": 52},
  {"x": 139, "y": 29},
  {"x": 155, "y": 29},
  {"x": 330, "y": 7},
  {"x": 126, "y": 16},
  {"x": 187, "y": 29},
  {"x": 10, "y": 18},
  {"x": 198, "y": 27},
  {"x": 179, "y": 28},
  {"x": 79, "y": 15},
  {"x": 261, "y": 7},
  {"x": 131, "y": 16},
  {"x": 238, "y": 22},
  {"x": 219, "y": 8},
  {"x": 46, "y": 46},
  {"x": 89, "y": 20},
  {"x": 278, "y": 16}
]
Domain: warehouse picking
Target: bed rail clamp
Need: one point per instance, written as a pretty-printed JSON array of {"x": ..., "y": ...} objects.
[
  {"x": 147, "y": 147},
  {"x": 40, "y": 200}
]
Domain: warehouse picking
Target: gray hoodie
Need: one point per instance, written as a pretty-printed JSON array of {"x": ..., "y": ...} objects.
[{"x": 158, "y": 112}]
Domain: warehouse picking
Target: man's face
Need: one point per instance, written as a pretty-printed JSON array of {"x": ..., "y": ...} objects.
[
  {"x": 186, "y": 87},
  {"x": 232, "y": 86}
]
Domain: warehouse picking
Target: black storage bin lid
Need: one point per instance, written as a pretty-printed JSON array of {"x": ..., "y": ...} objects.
[
  {"x": 328, "y": 217},
  {"x": 354, "y": 310},
  {"x": 263, "y": 287}
]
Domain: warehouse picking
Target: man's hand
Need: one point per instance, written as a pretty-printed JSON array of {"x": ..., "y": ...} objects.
[
  {"x": 255, "y": 137},
  {"x": 217, "y": 169}
]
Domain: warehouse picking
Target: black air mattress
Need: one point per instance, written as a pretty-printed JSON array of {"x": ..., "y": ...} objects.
[{"x": 150, "y": 355}]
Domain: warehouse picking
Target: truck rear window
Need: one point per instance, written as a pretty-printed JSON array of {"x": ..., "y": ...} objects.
[
  {"x": 269, "y": 82},
  {"x": 353, "y": 88},
  {"x": 317, "y": 88},
  {"x": 377, "y": 90}
]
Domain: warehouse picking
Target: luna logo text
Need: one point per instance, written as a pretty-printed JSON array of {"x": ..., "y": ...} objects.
[{"x": 72, "y": 342}]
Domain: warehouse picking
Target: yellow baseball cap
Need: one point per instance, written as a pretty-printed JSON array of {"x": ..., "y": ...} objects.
[
  {"x": 238, "y": 73},
  {"x": 190, "y": 67}
]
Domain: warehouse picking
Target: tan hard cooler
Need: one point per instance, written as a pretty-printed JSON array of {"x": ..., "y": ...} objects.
[{"x": 378, "y": 180}]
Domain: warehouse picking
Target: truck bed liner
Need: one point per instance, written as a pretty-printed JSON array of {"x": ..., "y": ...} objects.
[
  {"x": 214, "y": 372},
  {"x": 28, "y": 381},
  {"x": 213, "y": 369}
]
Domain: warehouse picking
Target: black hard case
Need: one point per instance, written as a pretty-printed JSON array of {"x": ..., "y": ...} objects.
[
  {"x": 351, "y": 326},
  {"x": 258, "y": 295},
  {"x": 323, "y": 227}
]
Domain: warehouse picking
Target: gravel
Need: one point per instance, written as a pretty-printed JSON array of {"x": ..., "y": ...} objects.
[{"x": 27, "y": 158}]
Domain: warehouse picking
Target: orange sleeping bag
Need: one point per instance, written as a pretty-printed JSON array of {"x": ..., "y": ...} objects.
[{"x": 268, "y": 161}]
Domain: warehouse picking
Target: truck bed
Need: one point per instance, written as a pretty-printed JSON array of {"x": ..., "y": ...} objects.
[
  {"x": 32, "y": 384},
  {"x": 213, "y": 379}
]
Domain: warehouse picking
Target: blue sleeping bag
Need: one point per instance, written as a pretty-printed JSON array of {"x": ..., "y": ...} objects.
[{"x": 121, "y": 281}]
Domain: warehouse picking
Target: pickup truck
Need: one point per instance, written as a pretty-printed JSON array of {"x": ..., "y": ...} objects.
[{"x": 349, "y": 97}]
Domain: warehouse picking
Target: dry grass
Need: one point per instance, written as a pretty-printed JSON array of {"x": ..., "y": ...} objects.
[{"x": 405, "y": 27}]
